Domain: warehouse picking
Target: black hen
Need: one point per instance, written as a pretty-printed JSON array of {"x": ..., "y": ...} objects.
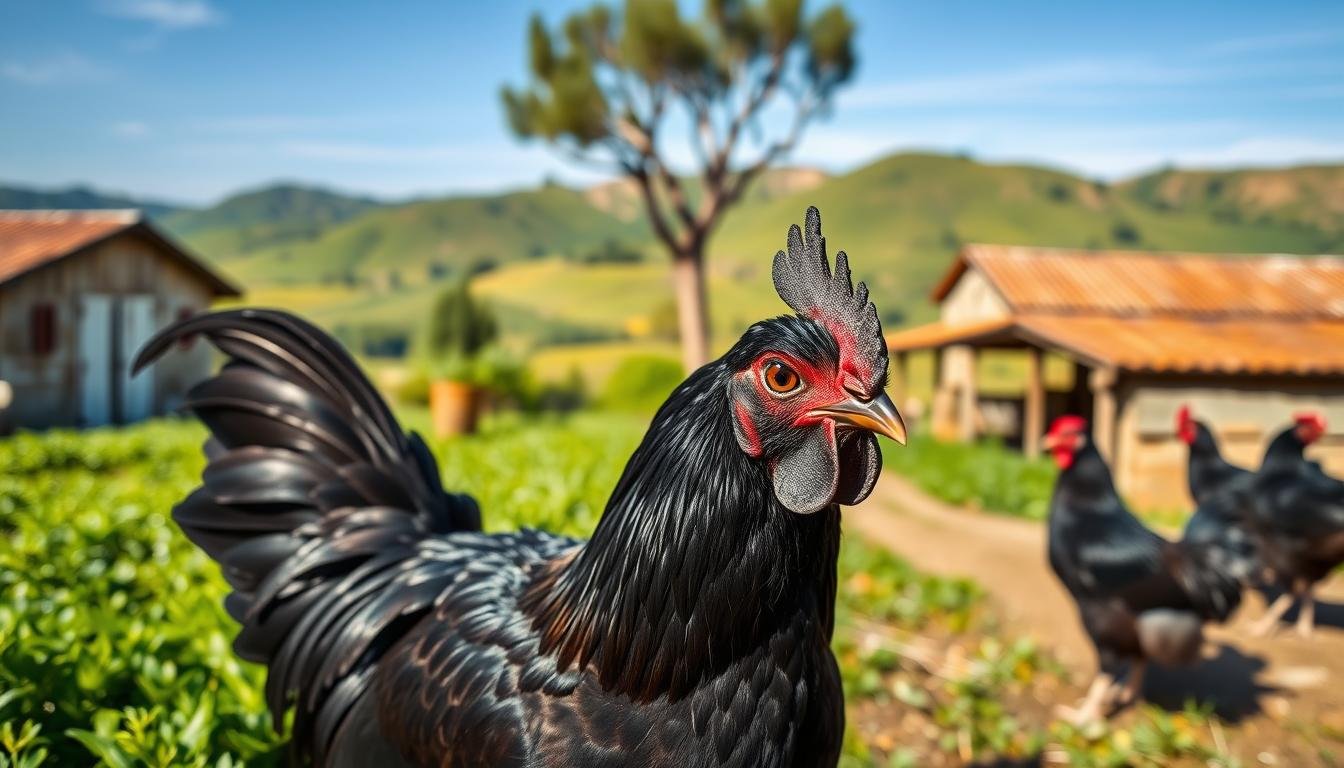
[
  {"x": 1298, "y": 520},
  {"x": 1222, "y": 494},
  {"x": 693, "y": 629},
  {"x": 1140, "y": 597}
]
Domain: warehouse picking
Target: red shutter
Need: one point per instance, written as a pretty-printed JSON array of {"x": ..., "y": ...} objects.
[
  {"x": 42, "y": 329},
  {"x": 188, "y": 340}
]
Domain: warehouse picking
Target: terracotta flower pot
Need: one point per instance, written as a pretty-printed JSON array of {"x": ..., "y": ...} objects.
[{"x": 452, "y": 407}]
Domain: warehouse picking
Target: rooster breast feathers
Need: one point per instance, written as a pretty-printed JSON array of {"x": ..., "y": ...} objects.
[{"x": 334, "y": 532}]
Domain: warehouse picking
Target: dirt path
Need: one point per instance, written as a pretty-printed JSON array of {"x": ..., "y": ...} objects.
[{"x": 1276, "y": 686}]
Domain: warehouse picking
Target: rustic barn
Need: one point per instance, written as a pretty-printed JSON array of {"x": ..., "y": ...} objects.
[
  {"x": 1245, "y": 340},
  {"x": 80, "y": 291}
]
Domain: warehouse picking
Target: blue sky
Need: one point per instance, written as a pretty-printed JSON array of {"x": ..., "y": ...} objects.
[{"x": 193, "y": 99}]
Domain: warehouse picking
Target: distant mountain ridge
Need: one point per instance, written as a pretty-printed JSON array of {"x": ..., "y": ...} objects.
[{"x": 79, "y": 198}]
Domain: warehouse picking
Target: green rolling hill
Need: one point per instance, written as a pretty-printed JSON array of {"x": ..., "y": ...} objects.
[
  {"x": 902, "y": 218},
  {"x": 271, "y": 215},
  {"x": 579, "y": 266}
]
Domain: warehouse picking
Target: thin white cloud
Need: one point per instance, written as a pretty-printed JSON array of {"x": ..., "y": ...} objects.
[
  {"x": 371, "y": 152},
  {"x": 130, "y": 129},
  {"x": 1019, "y": 86},
  {"x": 167, "y": 14},
  {"x": 59, "y": 68},
  {"x": 1308, "y": 38},
  {"x": 1265, "y": 150},
  {"x": 261, "y": 124}
]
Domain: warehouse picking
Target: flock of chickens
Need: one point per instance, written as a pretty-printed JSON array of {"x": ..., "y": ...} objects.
[
  {"x": 694, "y": 628},
  {"x": 1142, "y": 598}
]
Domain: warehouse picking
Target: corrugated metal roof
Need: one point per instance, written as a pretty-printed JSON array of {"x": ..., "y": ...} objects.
[
  {"x": 31, "y": 239},
  {"x": 1160, "y": 344},
  {"x": 1183, "y": 345},
  {"x": 1138, "y": 284}
]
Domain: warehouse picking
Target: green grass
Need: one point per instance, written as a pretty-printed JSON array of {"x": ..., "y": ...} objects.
[
  {"x": 114, "y": 645},
  {"x": 982, "y": 475}
]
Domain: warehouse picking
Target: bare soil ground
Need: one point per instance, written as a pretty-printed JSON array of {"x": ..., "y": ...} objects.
[{"x": 1280, "y": 700}]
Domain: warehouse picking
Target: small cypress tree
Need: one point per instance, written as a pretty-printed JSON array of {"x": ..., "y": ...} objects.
[{"x": 460, "y": 326}]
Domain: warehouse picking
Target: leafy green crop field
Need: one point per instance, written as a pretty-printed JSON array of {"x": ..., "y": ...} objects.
[{"x": 115, "y": 648}]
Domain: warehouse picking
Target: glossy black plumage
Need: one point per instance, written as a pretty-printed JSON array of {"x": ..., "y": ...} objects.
[
  {"x": 1138, "y": 594},
  {"x": 1222, "y": 494},
  {"x": 693, "y": 629},
  {"x": 1298, "y": 513}
]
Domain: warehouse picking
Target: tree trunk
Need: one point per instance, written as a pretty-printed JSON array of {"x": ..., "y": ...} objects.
[{"x": 688, "y": 275}]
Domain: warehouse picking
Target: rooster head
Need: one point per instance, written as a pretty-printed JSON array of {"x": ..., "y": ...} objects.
[
  {"x": 1309, "y": 426},
  {"x": 1066, "y": 437},
  {"x": 1186, "y": 426},
  {"x": 807, "y": 390}
]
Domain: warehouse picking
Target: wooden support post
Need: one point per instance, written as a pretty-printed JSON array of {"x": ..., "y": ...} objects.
[
  {"x": 969, "y": 396},
  {"x": 1102, "y": 383},
  {"x": 900, "y": 379},
  {"x": 942, "y": 408},
  {"x": 1033, "y": 403}
]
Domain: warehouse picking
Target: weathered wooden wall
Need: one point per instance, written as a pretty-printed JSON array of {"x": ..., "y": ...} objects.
[
  {"x": 46, "y": 389},
  {"x": 1244, "y": 412},
  {"x": 973, "y": 299}
]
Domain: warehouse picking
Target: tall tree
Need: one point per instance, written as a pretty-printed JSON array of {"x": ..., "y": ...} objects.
[{"x": 741, "y": 82}]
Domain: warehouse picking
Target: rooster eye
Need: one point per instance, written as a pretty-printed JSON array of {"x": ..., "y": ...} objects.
[{"x": 780, "y": 378}]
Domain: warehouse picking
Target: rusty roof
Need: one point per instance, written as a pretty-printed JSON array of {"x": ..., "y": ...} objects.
[
  {"x": 1137, "y": 284},
  {"x": 30, "y": 240},
  {"x": 1157, "y": 344},
  {"x": 1159, "y": 312}
]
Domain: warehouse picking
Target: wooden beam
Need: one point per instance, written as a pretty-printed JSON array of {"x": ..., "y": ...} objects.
[
  {"x": 942, "y": 406},
  {"x": 1033, "y": 403},
  {"x": 1102, "y": 384}
]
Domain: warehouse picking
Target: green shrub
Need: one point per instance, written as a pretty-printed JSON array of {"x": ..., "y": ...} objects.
[
  {"x": 642, "y": 383},
  {"x": 983, "y": 474}
]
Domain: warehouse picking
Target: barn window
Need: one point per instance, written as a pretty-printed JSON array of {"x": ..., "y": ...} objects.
[
  {"x": 187, "y": 341},
  {"x": 42, "y": 329}
]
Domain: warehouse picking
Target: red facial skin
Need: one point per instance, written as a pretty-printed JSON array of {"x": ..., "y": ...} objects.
[
  {"x": 1185, "y": 426},
  {"x": 853, "y": 371},
  {"x": 819, "y": 388},
  {"x": 1310, "y": 427},
  {"x": 1065, "y": 438},
  {"x": 754, "y": 447}
]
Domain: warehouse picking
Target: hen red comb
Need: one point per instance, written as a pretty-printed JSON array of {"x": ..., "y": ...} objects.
[
  {"x": 1310, "y": 417},
  {"x": 1067, "y": 423},
  {"x": 1183, "y": 418}
]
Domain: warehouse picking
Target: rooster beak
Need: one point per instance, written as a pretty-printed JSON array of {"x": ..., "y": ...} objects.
[
  {"x": 1050, "y": 442},
  {"x": 877, "y": 415}
]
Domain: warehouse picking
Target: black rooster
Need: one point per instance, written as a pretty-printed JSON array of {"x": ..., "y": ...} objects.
[
  {"x": 1222, "y": 494},
  {"x": 693, "y": 629},
  {"x": 1140, "y": 597},
  {"x": 1298, "y": 519}
]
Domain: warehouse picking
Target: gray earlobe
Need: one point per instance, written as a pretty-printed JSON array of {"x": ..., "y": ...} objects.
[{"x": 805, "y": 478}]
